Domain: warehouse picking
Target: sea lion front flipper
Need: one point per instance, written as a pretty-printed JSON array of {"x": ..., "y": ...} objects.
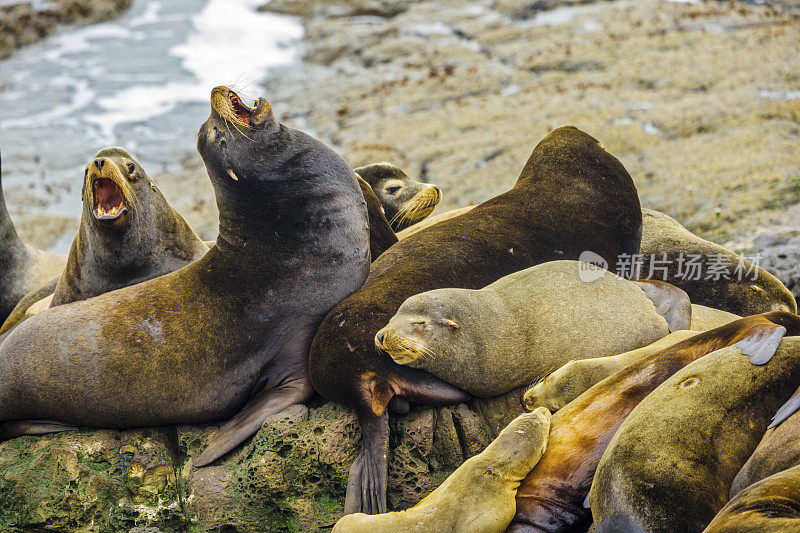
[
  {"x": 762, "y": 344},
  {"x": 252, "y": 416},
  {"x": 20, "y": 428},
  {"x": 786, "y": 410},
  {"x": 671, "y": 302}
]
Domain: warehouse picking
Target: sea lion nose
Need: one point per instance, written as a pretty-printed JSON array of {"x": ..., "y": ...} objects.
[
  {"x": 437, "y": 189},
  {"x": 99, "y": 162},
  {"x": 380, "y": 336}
]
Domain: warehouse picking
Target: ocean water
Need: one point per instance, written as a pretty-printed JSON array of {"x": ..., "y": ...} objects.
[{"x": 141, "y": 81}]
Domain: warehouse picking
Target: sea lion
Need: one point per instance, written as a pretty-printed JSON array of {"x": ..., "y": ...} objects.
[
  {"x": 381, "y": 235},
  {"x": 430, "y": 221},
  {"x": 479, "y": 496},
  {"x": 23, "y": 267},
  {"x": 778, "y": 450},
  {"x": 673, "y": 254},
  {"x": 570, "y": 381},
  {"x": 551, "y": 498},
  {"x": 571, "y": 196},
  {"x": 669, "y": 466},
  {"x": 405, "y": 201},
  {"x": 772, "y": 504},
  {"x": 229, "y": 329},
  {"x": 129, "y": 233},
  {"x": 492, "y": 340}
]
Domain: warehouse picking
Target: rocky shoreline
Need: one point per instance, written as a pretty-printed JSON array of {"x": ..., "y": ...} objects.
[{"x": 25, "y": 22}]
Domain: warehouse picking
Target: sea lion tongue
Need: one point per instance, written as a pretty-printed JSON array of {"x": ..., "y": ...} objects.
[{"x": 108, "y": 198}]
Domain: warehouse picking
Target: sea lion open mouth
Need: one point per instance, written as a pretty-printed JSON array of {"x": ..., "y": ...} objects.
[
  {"x": 230, "y": 107},
  {"x": 109, "y": 201},
  {"x": 243, "y": 113}
]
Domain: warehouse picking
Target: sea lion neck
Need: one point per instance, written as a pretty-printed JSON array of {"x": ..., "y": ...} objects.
[{"x": 8, "y": 233}]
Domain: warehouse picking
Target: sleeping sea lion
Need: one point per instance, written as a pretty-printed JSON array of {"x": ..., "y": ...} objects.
[
  {"x": 571, "y": 196},
  {"x": 23, "y": 268},
  {"x": 570, "y": 381},
  {"x": 671, "y": 463},
  {"x": 492, "y": 340},
  {"x": 479, "y": 496},
  {"x": 405, "y": 201},
  {"x": 772, "y": 504},
  {"x": 229, "y": 329},
  {"x": 551, "y": 498},
  {"x": 129, "y": 233}
]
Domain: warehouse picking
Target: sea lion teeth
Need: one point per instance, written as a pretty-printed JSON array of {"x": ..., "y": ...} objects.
[{"x": 232, "y": 174}]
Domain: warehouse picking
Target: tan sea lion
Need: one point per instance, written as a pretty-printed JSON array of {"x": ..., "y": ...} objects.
[
  {"x": 669, "y": 466},
  {"x": 405, "y": 201},
  {"x": 771, "y": 505},
  {"x": 230, "y": 332},
  {"x": 512, "y": 332},
  {"x": 570, "y": 381},
  {"x": 129, "y": 233},
  {"x": 23, "y": 268},
  {"x": 571, "y": 196},
  {"x": 551, "y": 498},
  {"x": 479, "y": 496}
]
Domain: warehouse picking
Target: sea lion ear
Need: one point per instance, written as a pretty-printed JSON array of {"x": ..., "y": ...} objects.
[
  {"x": 262, "y": 116},
  {"x": 671, "y": 302},
  {"x": 451, "y": 324},
  {"x": 786, "y": 410},
  {"x": 762, "y": 344}
]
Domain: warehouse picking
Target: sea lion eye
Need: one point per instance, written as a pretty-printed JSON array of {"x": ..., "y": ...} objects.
[
  {"x": 393, "y": 189},
  {"x": 131, "y": 168},
  {"x": 217, "y": 134},
  {"x": 420, "y": 323}
]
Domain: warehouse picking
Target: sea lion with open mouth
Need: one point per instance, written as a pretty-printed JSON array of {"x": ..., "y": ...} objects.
[
  {"x": 405, "y": 201},
  {"x": 129, "y": 233},
  {"x": 229, "y": 330},
  {"x": 23, "y": 268},
  {"x": 571, "y": 196}
]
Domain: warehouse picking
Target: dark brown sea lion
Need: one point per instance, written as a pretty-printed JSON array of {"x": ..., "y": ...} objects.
[
  {"x": 229, "y": 329},
  {"x": 405, "y": 201},
  {"x": 771, "y": 505},
  {"x": 381, "y": 235},
  {"x": 551, "y": 498},
  {"x": 23, "y": 268},
  {"x": 128, "y": 234},
  {"x": 673, "y": 254},
  {"x": 571, "y": 196},
  {"x": 671, "y": 463}
]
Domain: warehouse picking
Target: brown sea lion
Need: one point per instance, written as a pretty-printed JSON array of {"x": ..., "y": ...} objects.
[
  {"x": 669, "y": 250},
  {"x": 231, "y": 329},
  {"x": 129, "y": 233},
  {"x": 479, "y": 496},
  {"x": 23, "y": 268},
  {"x": 669, "y": 466},
  {"x": 572, "y": 196},
  {"x": 492, "y": 340},
  {"x": 570, "y": 381},
  {"x": 771, "y": 505},
  {"x": 381, "y": 235},
  {"x": 430, "y": 221},
  {"x": 405, "y": 201},
  {"x": 551, "y": 498}
]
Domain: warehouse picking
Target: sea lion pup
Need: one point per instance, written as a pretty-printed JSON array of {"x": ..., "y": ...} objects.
[
  {"x": 551, "y": 498},
  {"x": 570, "y": 381},
  {"x": 492, "y": 340},
  {"x": 405, "y": 201},
  {"x": 229, "y": 329},
  {"x": 670, "y": 465},
  {"x": 479, "y": 496},
  {"x": 129, "y": 233},
  {"x": 381, "y": 235},
  {"x": 572, "y": 196},
  {"x": 23, "y": 268},
  {"x": 778, "y": 450},
  {"x": 772, "y": 504},
  {"x": 668, "y": 245}
]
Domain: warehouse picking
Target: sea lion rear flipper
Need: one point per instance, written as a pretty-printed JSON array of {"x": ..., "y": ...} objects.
[
  {"x": 366, "y": 483},
  {"x": 20, "y": 428},
  {"x": 671, "y": 302},
  {"x": 762, "y": 344},
  {"x": 251, "y": 417},
  {"x": 786, "y": 410}
]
